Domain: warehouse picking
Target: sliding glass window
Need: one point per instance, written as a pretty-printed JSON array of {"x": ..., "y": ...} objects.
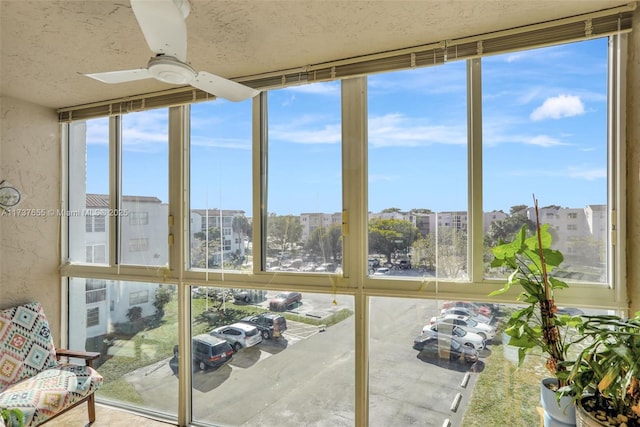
[
  {"x": 417, "y": 159},
  {"x": 545, "y": 134},
  {"x": 221, "y": 227},
  {"x": 304, "y": 179}
]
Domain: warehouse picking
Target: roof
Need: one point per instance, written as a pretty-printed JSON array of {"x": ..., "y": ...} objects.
[{"x": 102, "y": 200}]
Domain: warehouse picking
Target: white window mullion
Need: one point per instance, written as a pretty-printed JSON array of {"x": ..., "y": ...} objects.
[
  {"x": 115, "y": 187},
  {"x": 178, "y": 239},
  {"x": 617, "y": 167},
  {"x": 474, "y": 140},
  {"x": 355, "y": 226}
]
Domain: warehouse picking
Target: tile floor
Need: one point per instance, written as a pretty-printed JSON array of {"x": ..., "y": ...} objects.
[{"x": 105, "y": 417}]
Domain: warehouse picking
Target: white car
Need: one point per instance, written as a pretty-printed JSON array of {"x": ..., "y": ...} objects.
[
  {"x": 463, "y": 311},
  {"x": 463, "y": 337},
  {"x": 382, "y": 271},
  {"x": 487, "y": 332},
  {"x": 238, "y": 335}
]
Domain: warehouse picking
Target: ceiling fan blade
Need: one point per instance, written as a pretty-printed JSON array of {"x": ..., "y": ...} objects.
[
  {"x": 163, "y": 26},
  {"x": 121, "y": 76},
  {"x": 223, "y": 88}
]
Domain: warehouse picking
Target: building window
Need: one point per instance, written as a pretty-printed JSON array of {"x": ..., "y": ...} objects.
[
  {"x": 96, "y": 254},
  {"x": 93, "y": 316},
  {"x": 96, "y": 290},
  {"x": 139, "y": 297},
  {"x": 95, "y": 223},
  {"x": 138, "y": 218},
  {"x": 572, "y": 215}
]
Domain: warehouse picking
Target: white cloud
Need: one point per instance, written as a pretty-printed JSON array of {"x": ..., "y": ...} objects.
[
  {"x": 542, "y": 141},
  {"x": 396, "y": 130},
  {"x": 558, "y": 107},
  {"x": 237, "y": 143},
  {"x": 327, "y": 134}
]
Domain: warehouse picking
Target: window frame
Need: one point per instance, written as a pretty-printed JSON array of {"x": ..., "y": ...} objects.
[{"x": 354, "y": 279}]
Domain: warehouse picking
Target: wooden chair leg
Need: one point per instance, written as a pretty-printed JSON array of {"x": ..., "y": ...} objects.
[{"x": 91, "y": 405}]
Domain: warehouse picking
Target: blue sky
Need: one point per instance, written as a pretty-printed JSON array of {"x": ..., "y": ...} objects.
[{"x": 544, "y": 132}]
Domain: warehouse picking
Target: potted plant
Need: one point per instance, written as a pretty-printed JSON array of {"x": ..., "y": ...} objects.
[
  {"x": 605, "y": 377},
  {"x": 537, "y": 325}
]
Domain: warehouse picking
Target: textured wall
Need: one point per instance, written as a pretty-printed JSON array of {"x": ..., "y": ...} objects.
[
  {"x": 633, "y": 166},
  {"x": 29, "y": 240}
]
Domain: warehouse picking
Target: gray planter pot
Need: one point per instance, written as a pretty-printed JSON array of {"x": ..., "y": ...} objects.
[
  {"x": 586, "y": 419},
  {"x": 556, "y": 413}
]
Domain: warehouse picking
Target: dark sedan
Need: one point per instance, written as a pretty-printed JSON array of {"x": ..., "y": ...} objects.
[{"x": 440, "y": 347}]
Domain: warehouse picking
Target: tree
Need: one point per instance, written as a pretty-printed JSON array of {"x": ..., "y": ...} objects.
[
  {"x": 422, "y": 211},
  {"x": 203, "y": 243},
  {"x": 517, "y": 209},
  {"x": 284, "y": 230},
  {"x": 506, "y": 229},
  {"x": 449, "y": 254},
  {"x": 388, "y": 236},
  {"x": 241, "y": 226},
  {"x": 163, "y": 296},
  {"x": 326, "y": 242}
]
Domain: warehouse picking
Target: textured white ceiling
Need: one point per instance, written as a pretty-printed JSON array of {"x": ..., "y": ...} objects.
[{"x": 47, "y": 45}]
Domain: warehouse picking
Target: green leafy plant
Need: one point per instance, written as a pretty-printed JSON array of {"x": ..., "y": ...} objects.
[
  {"x": 12, "y": 417},
  {"x": 607, "y": 370},
  {"x": 536, "y": 325}
]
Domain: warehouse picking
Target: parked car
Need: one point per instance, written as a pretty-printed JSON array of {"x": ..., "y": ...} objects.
[
  {"x": 284, "y": 300},
  {"x": 476, "y": 308},
  {"x": 465, "y": 338},
  {"x": 436, "y": 347},
  {"x": 463, "y": 311},
  {"x": 206, "y": 352},
  {"x": 327, "y": 267},
  {"x": 404, "y": 264},
  {"x": 238, "y": 335},
  {"x": 382, "y": 271},
  {"x": 487, "y": 332},
  {"x": 270, "y": 325},
  {"x": 242, "y": 297},
  {"x": 570, "y": 311}
]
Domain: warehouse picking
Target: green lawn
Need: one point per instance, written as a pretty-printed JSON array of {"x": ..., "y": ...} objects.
[{"x": 505, "y": 395}]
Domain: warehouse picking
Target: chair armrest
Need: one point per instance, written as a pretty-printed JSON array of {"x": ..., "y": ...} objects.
[{"x": 88, "y": 356}]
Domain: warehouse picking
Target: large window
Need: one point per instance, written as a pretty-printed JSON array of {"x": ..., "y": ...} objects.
[
  {"x": 88, "y": 154},
  {"x": 282, "y": 365},
  {"x": 545, "y": 133},
  {"x": 304, "y": 179},
  {"x": 220, "y": 186},
  {"x": 418, "y": 192},
  {"x": 144, "y": 181},
  {"x": 355, "y": 211}
]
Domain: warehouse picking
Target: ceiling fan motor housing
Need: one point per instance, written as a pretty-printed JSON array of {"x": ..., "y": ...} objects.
[{"x": 170, "y": 70}]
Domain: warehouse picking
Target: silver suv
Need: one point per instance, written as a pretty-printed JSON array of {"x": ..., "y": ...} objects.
[{"x": 238, "y": 335}]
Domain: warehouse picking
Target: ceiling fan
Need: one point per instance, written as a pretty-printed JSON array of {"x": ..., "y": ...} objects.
[{"x": 163, "y": 24}]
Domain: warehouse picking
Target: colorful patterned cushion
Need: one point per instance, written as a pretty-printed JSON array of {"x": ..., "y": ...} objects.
[
  {"x": 51, "y": 391},
  {"x": 26, "y": 345}
]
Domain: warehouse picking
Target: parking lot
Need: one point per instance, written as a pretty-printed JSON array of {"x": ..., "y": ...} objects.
[{"x": 309, "y": 375}]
